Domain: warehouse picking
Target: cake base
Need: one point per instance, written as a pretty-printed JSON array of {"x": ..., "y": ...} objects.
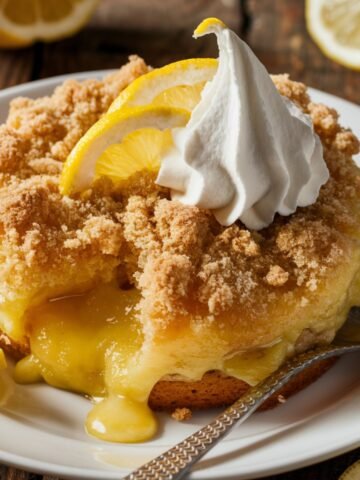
[{"x": 218, "y": 390}]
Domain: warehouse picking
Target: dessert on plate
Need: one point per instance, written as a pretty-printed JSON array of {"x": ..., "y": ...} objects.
[{"x": 171, "y": 236}]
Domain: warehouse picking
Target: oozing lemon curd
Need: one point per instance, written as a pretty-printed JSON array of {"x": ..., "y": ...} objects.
[{"x": 95, "y": 344}]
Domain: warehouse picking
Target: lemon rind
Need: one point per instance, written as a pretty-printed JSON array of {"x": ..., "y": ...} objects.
[
  {"x": 202, "y": 69},
  {"x": 79, "y": 169}
]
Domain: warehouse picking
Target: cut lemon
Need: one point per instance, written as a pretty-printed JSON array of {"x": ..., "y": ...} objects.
[
  {"x": 183, "y": 96},
  {"x": 2, "y": 360},
  {"x": 335, "y": 27},
  {"x": 178, "y": 84},
  {"x": 24, "y": 21},
  {"x": 120, "y": 144},
  {"x": 140, "y": 150}
]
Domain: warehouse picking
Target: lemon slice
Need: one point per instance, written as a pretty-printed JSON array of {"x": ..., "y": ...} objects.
[
  {"x": 139, "y": 150},
  {"x": 352, "y": 473},
  {"x": 2, "y": 360},
  {"x": 335, "y": 27},
  {"x": 120, "y": 156},
  {"x": 182, "y": 96},
  {"x": 24, "y": 21},
  {"x": 178, "y": 84}
]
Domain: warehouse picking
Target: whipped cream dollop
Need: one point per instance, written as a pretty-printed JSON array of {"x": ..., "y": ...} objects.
[{"x": 247, "y": 152}]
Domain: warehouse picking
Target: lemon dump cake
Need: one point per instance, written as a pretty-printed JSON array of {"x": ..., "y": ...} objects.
[{"x": 125, "y": 293}]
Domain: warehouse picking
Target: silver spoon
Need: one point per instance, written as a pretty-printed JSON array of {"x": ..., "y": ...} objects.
[{"x": 176, "y": 462}]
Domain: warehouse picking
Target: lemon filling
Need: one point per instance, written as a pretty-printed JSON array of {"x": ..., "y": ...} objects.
[{"x": 95, "y": 344}]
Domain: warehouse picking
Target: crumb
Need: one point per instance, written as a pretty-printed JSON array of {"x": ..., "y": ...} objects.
[
  {"x": 281, "y": 399},
  {"x": 295, "y": 91},
  {"x": 276, "y": 276},
  {"x": 47, "y": 240},
  {"x": 41, "y": 133},
  {"x": 181, "y": 414}
]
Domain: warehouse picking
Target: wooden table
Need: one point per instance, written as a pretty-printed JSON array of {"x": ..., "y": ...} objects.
[{"x": 275, "y": 29}]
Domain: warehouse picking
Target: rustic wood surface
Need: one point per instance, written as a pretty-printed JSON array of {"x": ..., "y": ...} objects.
[{"x": 161, "y": 32}]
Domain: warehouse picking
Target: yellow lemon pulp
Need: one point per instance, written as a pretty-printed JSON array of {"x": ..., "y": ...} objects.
[
  {"x": 182, "y": 96},
  {"x": 343, "y": 19},
  {"x": 140, "y": 150},
  {"x": 335, "y": 26}
]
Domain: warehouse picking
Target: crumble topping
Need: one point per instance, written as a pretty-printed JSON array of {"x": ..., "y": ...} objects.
[
  {"x": 181, "y": 414},
  {"x": 39, "y": 134},
  {"x": 276, "y": 276},
  {"x": 179, "y": 256}
]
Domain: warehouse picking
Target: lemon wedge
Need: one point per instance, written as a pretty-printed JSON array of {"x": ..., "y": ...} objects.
[
  {"x": 178, "y": 84},
  {"x": 120, "y": 144},
  {"x": 2, "y": 360},
  {"x": 24, "y": 21},
  {"x": 335, "y": 27}
]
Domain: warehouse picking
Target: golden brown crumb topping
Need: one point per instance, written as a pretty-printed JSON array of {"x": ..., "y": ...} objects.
[
  {"x": 181, "y": 259},
  {"x": 181, "y": 414},
  {"x": 276, "y": 276}
]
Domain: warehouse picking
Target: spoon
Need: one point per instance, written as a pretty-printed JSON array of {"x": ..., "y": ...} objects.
[{"x": 176, "y": 462}]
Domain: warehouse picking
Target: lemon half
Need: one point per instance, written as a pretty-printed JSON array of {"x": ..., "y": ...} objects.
[
  {"x": 24, "y": 21},
  {"x": 335, "y": 27}
]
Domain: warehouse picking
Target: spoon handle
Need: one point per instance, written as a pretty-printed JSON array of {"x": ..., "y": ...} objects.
[{"x": 176, "y": 462}]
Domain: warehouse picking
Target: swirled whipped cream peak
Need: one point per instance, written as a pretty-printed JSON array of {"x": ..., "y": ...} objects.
[{"x": 247, "y": 152}]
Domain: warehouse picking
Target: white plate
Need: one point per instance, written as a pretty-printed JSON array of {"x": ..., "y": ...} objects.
[{"x": 42, "y": 428}]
